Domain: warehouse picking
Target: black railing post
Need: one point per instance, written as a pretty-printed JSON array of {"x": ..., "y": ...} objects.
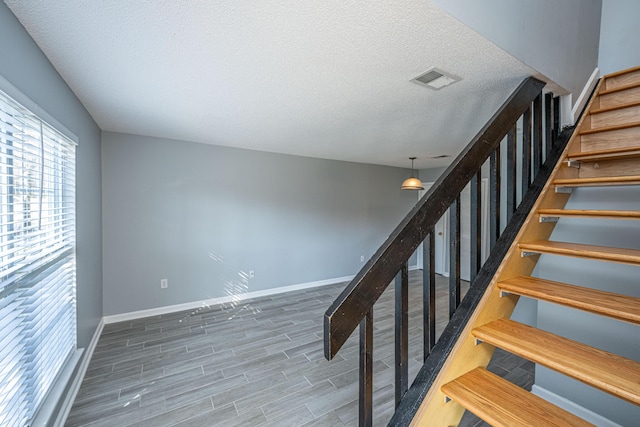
[
  {"x": 454, "y": 256},
  {"x": 476, "y": 225},
  {"x": 537, "y": 134},
  {"x": 429, "y": 294},
  {"x": 556, "y": 118},
  {"x": 512, "y": 170},
  {"x": 494, "y": 196},
  {"x": 526, "y": 152},
  {"x": 548, "y": 123},
  {"x": 402, "y": 333},
  {"x": 366, "y": 371}
]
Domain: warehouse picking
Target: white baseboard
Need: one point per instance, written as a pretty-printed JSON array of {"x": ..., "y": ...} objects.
[
  {"x": 77, "y": 381},
  {"x": 584, "y": 95},
  {"x": 573, "y": 407},
  {"x": 124, "y": 317}
]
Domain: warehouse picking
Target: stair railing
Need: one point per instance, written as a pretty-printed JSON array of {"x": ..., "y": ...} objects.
[{"x": 524, "y": 130}]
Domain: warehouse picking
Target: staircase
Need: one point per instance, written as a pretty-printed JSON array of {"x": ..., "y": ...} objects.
[{"x": 603, "y": 152}]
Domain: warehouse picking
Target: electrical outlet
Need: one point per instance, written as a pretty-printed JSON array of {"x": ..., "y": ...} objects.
[
  {"x": 361, "y": 258},
  {"x": 164, "y": 283},
  {"x": 252, "y": 274}
]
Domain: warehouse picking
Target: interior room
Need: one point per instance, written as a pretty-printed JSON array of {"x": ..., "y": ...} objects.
[{"x": 237, "y": 161}]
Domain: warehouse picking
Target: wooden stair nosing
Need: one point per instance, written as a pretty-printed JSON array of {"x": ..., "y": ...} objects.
[
  {"x": 614, "y": 107},
  {"x": 598, "y": 181},
  {"x": 579, "y": 250},
  {"x": 615, "y": 306},
  {"x": 601, "y": 369},
  {"x": 503, "y": 404},
  {"x": 588, "y": 213},
  {"x": 609, "y": 128}
]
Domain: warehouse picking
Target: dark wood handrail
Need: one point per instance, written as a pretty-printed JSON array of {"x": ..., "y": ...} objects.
[{"x": 358, "y": 298}]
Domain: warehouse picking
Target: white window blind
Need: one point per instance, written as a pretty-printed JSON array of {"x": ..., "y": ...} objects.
[{"x": 37, "y": 260}]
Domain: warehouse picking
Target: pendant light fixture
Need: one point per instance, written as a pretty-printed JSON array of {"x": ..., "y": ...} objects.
[{"x": 412, "y": 183}]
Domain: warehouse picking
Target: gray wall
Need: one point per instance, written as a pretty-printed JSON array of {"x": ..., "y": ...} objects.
[
  {"x": 31, "y": 73},
  {"x": 431, "y": 174},
  {"x": 619, "y": 35},
  {"x": 557, "y": 38},
  {"x": 203, "y": 215}
]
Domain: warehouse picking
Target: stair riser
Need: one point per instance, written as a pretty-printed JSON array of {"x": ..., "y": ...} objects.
[
  {"x": 615, "y": 117},
  {"x": 610, "y": 168},
  {"x": 622, "y": 80},
  {"x": 623, "y": 97},
  {"x": 622, "y": 138}
]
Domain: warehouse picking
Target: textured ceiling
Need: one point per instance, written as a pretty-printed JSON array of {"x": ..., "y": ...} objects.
[{"x": 327, "y": 79}]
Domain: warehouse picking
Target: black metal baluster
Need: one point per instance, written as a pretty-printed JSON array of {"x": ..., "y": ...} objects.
[
  {"x": 494, "y": 196},
  {"x": 429, "y": 293},
  {"x": 556, "y": 118},
  {"x": 512, "y": 164},
  {"x": 454, "y": 256},
  {"x": 526, "y": 152},
  {"x": 476, "y": 225},
  {"x": 548, "y": 124},
  {"x": 537, "y": 135},
  {"x": 366, "y": 371},
  {"x": 402, "y": 333}
]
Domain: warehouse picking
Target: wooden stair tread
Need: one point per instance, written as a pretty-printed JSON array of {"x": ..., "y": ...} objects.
[
  {"x": 616, "y": 306},
  {"x": 598, "y": 181},
  {"x": 503, "y": 404},
  {"x": 601, "y": 253},
  {"x": 589, "y": 213},
  {"x": 610, "y": 154},
  {"x": 608, "y": 128},
  {"x": 614, "y": 107},
  {"x": 606, "y": 371}
]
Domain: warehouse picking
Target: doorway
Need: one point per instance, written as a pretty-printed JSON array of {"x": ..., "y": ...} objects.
[{"x": 441, "y": 231}]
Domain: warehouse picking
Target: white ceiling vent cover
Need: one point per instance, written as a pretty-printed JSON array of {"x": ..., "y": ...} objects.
[{"x": 436, "y": 78}]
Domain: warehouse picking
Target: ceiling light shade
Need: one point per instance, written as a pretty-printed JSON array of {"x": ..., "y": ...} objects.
[{"x": 412, "y": 183}]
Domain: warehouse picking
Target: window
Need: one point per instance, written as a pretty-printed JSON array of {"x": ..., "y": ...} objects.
[{"x": 37, "y": 260}]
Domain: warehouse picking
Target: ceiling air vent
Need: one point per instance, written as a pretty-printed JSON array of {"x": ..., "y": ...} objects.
[{"x": 436, "y": 79}]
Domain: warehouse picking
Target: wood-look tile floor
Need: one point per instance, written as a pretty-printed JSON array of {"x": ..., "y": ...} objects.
[{"x": 252, "y": 363}]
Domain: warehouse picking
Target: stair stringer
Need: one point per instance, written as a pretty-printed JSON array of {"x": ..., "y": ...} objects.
[{"x": 466, "y": 355}]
